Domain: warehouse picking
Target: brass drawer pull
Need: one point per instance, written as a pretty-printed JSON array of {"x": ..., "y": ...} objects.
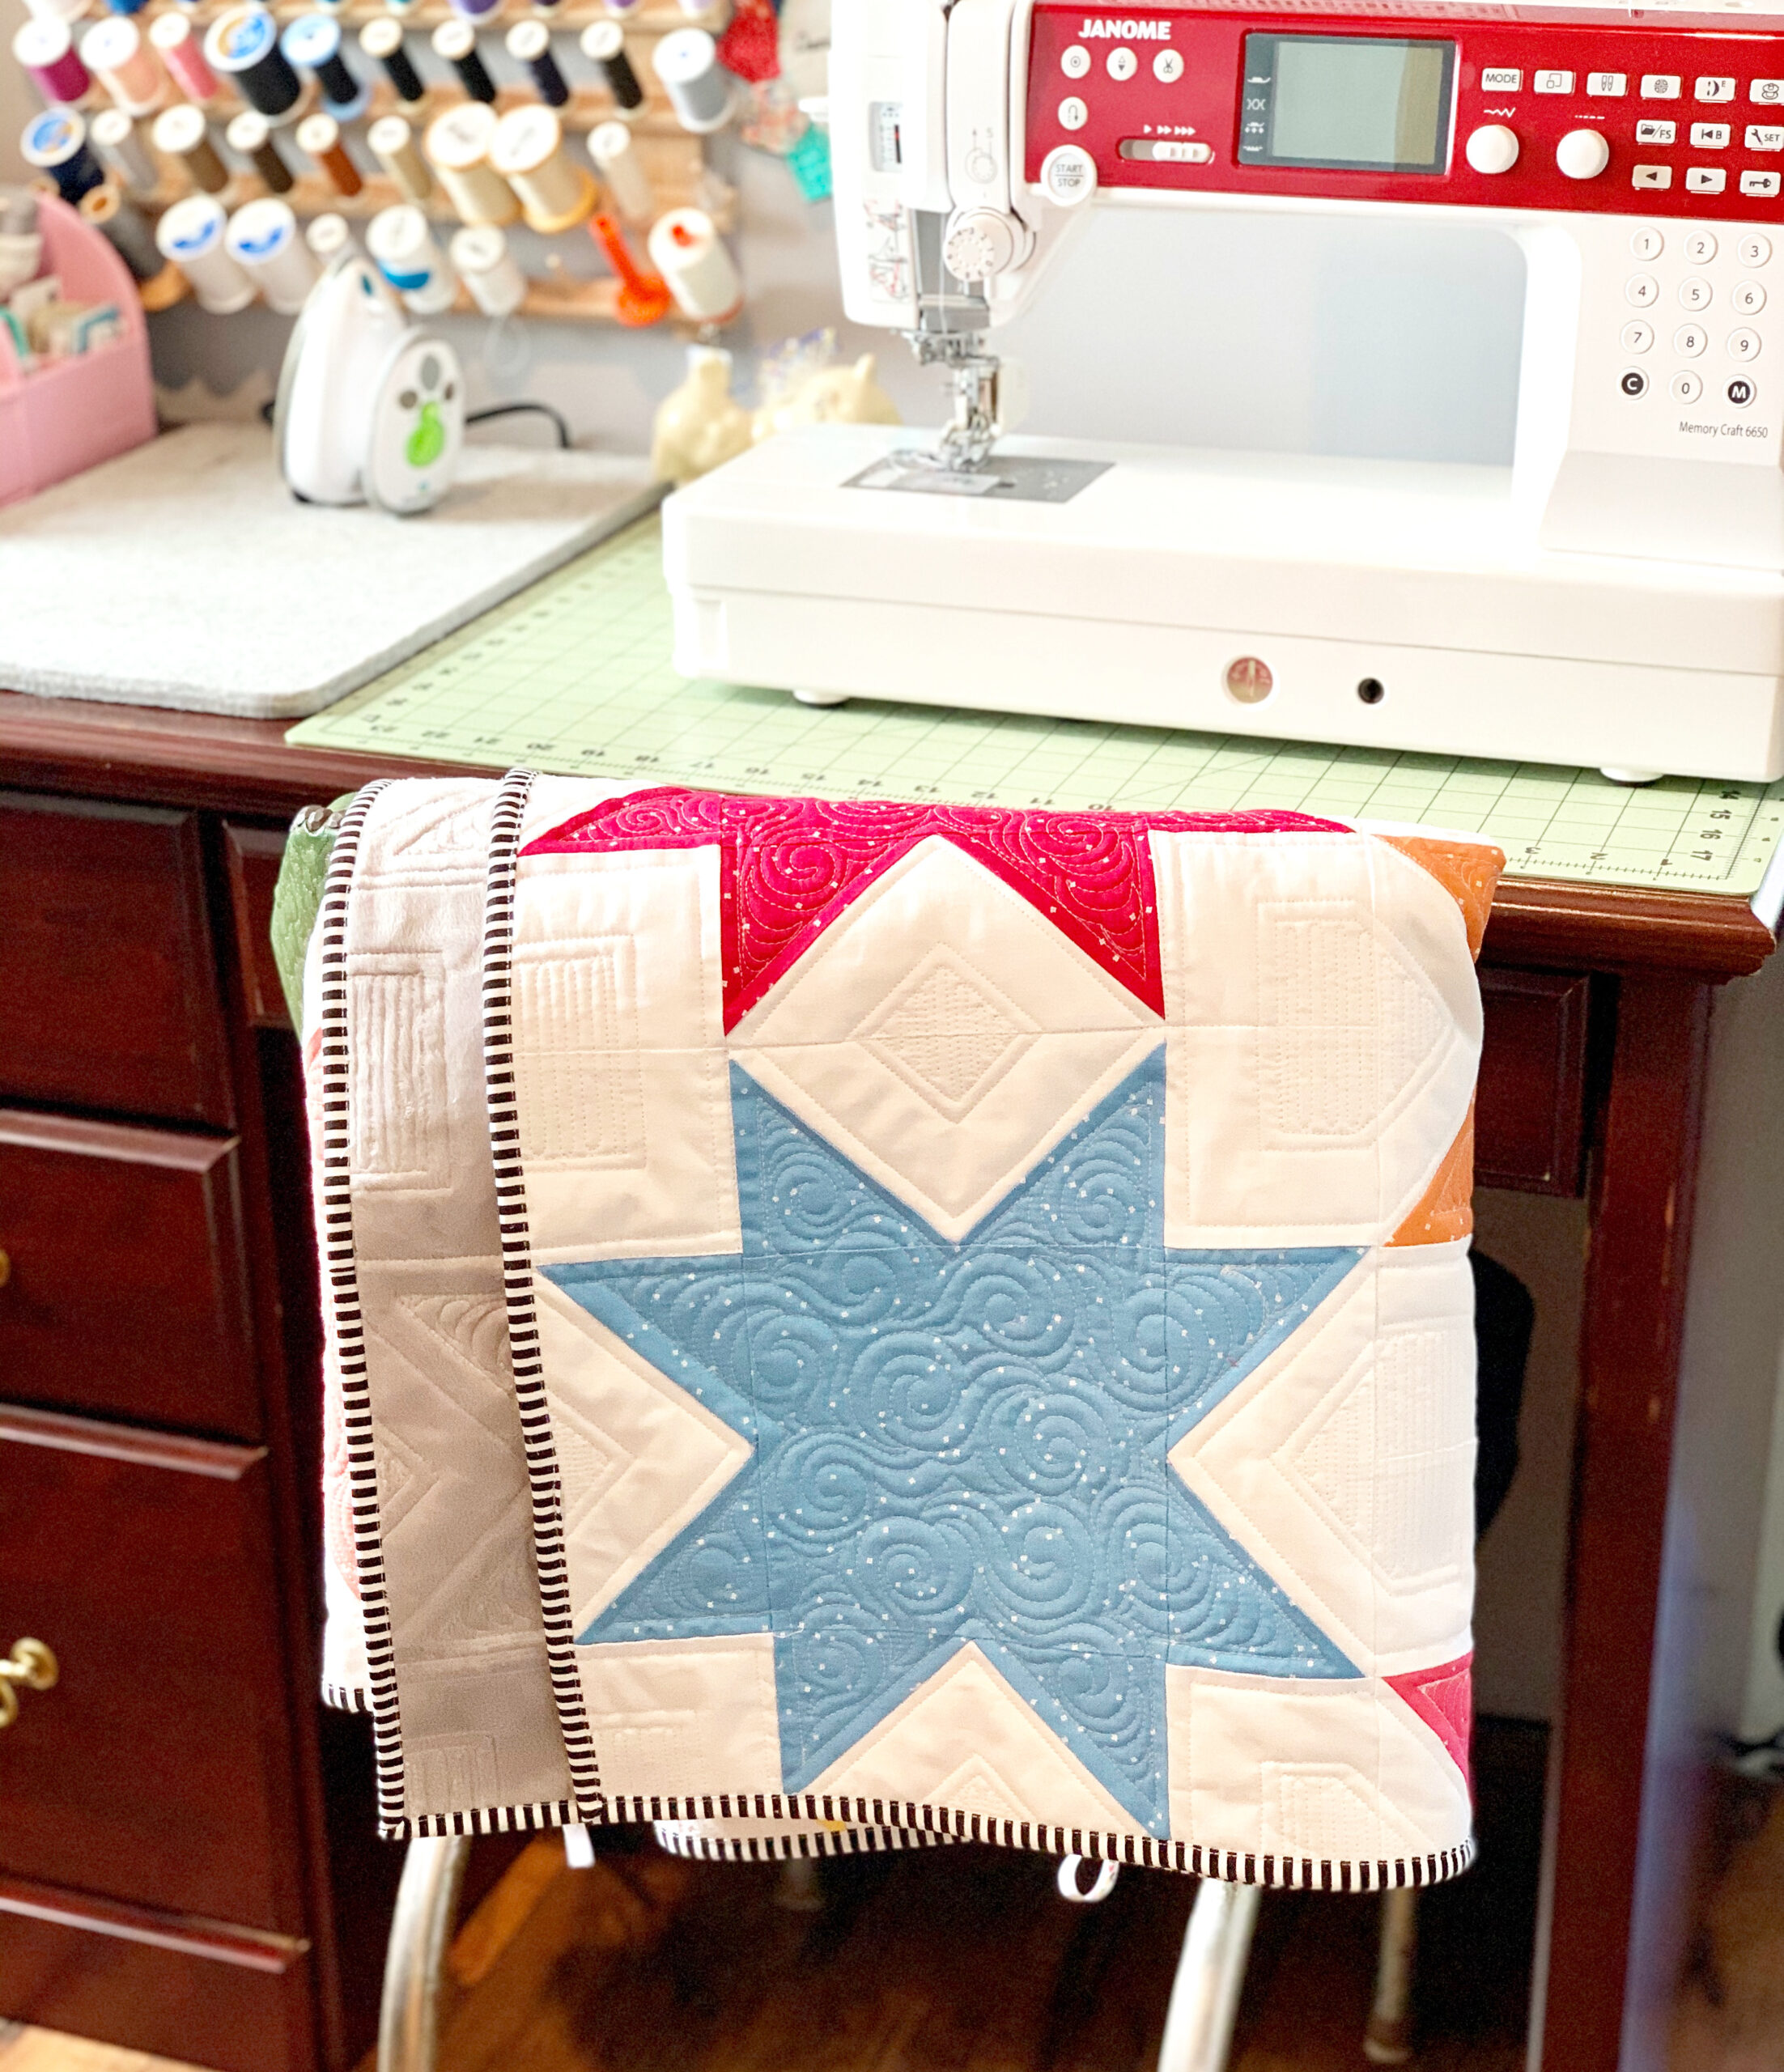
[{"x": 31, "y": 1663}]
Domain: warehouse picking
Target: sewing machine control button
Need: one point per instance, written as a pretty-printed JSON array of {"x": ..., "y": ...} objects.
[
  {"x": 1689, "y": 340},
  {"x": 1715, "y": 90},
  {"x": 1694, "y": 292},
  {"x": 1123, "y": 63},
  {"x": 1710, "y": 136},
  {"x": 1700, "y": 246},
  {"x": 1705, "y": 179},
  {"x": 1164, "y": 151},
  {"x": 1647, "y": 243},
  {"x": 1650, "y": 175},
  {"x": 1748, "y": 298},
  {"x": 1764, "y": 136},
  {"x": 1642, "y": 290},
  {"x": 1740, "y": 392},
  {"x": 1637, "y": 336},
  {"x": 1656, "y": 132},
  {"x": 1762, "y": 185},
  {"x": 1659, "y": 86},
  {"x": 1743, "y": 344},
  {"x": 1500, "y": 80},
  {"x": 1492, "y": 148},
  {"x": 1167, "y": 67},
  {"x": 1069, "y": 173},
  {"x": 1633, "y": 382},
  {"x": 1582, "y": 153},
  {"x": 1754, "y": 249},
  {"x": 1073, "y": 114},
  {"x": 1686, "y": 387},
  {"x": 1075, "y": 61},
  {"x": 1768, "y": 93},
  {"x": 1552, "y": 82},
  {"x": 1606, "y": 85}
]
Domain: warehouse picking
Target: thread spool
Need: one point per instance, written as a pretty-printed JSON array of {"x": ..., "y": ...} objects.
[
  {"x": 191, "y": 235},
  {"x": 618, "y": 162},
  {"x": 392, "y": 144},
  {"x": 320, "y": 137},
  {"x": 529, "y": 43},
  {"x": 252, "y": 135},
  {"x": 126, "y": 228},
  {"x": 686, "y": 250},
  {"x": 115, "y": 138},
  {"x": 263, "y": 239},
  {"x": 127, "y": 7},
  {"x": 114, "y": 48},
  {"x": 242, "y": 45},
  {"x": 622, "y": 9},
  {"x": 61, "y": 10},
  {"x": 642, "y": 298},
  {"x": 604, "y": 44},
  {"x": 182, "y": 134},
  {"x": 328, "y": 236},
  {"x": 687, "y": 60},
  {"x": 456, "y": 43},
  {"x": 382, "y": 41},
  {"x": 177, "y": 45},
  {"x": 45, "y": 48},
  {"x": 403, "y": 249},
  {"x": 528, "y": 151},
  {"x": 55, "y": 143},
  {"x": 313, "y": 43},
  {"x": 457, "y": 145},
  {"x": 481, "y": 260},
  {"x": 477, "y": 11}
]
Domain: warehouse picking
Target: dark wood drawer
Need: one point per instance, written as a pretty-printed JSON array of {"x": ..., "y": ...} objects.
[
  {"x": 1530, "y": 1114},
  {"x": 124, "y": 1292},
  {"x": 254, "y": 856},
  {"x": 108, "y": 984},
  {"x": 157, "y": 1771}
]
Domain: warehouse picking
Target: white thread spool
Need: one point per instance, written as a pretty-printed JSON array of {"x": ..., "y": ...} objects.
[
  {"x": 481, "y": 260},
  {"x": 392, "y": 144},
  {"x": 697, "y": 269},
  {"x": 616, "y": 157},
  {"x": 327, "y": 235},
  {"x": 191, "y": 234},
  {"x": 403, "y": 249},
  {"x": 457, "y": 145},
  {"x": 115, "y": 137},
  {"x": 687, "y": 60},
  {"x": 115, "y": 50},
  {"x": 263, "y": 238},
  {"x": 527, "y": 150}
]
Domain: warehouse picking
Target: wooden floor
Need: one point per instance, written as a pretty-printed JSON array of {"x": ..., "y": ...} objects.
[{"x": 965, "y": 1961}]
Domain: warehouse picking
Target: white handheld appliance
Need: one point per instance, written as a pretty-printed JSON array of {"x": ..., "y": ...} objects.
[
  {"x": 1614, "y": 596},
  {"x": 371, "y": 408}
]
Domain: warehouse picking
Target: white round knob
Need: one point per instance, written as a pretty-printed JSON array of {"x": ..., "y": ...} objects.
[
  {"x": 982, "y": 242},
  {"x": 1492, "y": 148},
  {"x": 1582, "y": 153}
]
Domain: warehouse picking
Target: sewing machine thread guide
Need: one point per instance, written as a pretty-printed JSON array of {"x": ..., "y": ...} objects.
[{"x": 573, "y": 676}]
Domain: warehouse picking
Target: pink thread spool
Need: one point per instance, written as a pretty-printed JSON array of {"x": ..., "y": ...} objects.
[
  {"x": 115, "y": 50},
  {"x": 182, "y": 52},
  {"x": 45, "y": 48}
]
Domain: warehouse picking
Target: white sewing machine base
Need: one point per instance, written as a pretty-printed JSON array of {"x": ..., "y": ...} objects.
[{"x": 1397, "y": 605}]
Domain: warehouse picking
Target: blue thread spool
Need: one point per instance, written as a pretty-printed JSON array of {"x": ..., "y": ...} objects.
[
  {"x": 313, "y": 41},
  {"x": 55, "y": 143}
]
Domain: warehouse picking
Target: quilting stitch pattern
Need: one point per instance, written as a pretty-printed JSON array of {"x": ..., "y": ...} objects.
[{"x": 966, "y": 1442}]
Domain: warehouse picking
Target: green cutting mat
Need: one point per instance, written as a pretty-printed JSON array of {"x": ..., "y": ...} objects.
[{"x": 573, "y": 676}]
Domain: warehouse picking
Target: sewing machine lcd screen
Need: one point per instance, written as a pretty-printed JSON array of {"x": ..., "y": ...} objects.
[{"x": 1363, "y": 103}]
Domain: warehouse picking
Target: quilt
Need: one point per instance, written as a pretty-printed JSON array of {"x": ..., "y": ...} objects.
[{"x": 893, "y": 1323}]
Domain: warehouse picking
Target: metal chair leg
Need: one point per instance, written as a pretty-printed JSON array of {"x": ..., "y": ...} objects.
[
  {"x": 1388, "y": 2038},
  {"x": 426, "y": 1902},
  {"x": 1204, "y": 1995}
]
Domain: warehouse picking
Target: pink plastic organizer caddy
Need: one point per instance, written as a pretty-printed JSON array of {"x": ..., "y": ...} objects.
[{"x": 63, "y": 415}]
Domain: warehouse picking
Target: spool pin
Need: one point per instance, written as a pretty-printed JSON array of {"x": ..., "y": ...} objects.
[
  {"x": 251, "y": 134},
  {"x": 457, "y": 42},
  {"x": 481, "y": 257},
  {"x": 177, "y": 44},
  {"x": 604, "y": 44},
  {"x": 642, "y": 298},
  {"x": 458, "y": 146},
  {"x": 45, "y": 48},
  {"x": 191, "y": 234},
  {"x": 529, "y": 43},
  {"x": 402, "y": 249},
  {"x": 527, "y": 150},
  {"x": 618, "y": 162},
  {"x": 320, "y": 137},
  {"x": 116, "y": 50},
  {"x": 242, "y": 45},
  {"x": 382, "y": 41},
  {"x": 392, "y": 144},
  {"x": 182, "y": 133}
]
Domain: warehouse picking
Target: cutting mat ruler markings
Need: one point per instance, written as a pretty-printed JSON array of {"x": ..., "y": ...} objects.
[{"x": 573, "y": 676}]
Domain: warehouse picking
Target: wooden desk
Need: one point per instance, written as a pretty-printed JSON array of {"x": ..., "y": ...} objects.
[{"x": 1597, "y": 1019}]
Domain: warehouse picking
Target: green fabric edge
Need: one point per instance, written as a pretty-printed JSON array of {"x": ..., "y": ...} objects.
[{"x": 297, "y": 897}]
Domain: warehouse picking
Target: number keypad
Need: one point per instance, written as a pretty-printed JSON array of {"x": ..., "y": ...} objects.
[{"x": 1718, "y": 280}]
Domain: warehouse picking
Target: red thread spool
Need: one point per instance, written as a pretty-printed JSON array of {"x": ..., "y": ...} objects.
[{"x": 45, "y": 48}]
